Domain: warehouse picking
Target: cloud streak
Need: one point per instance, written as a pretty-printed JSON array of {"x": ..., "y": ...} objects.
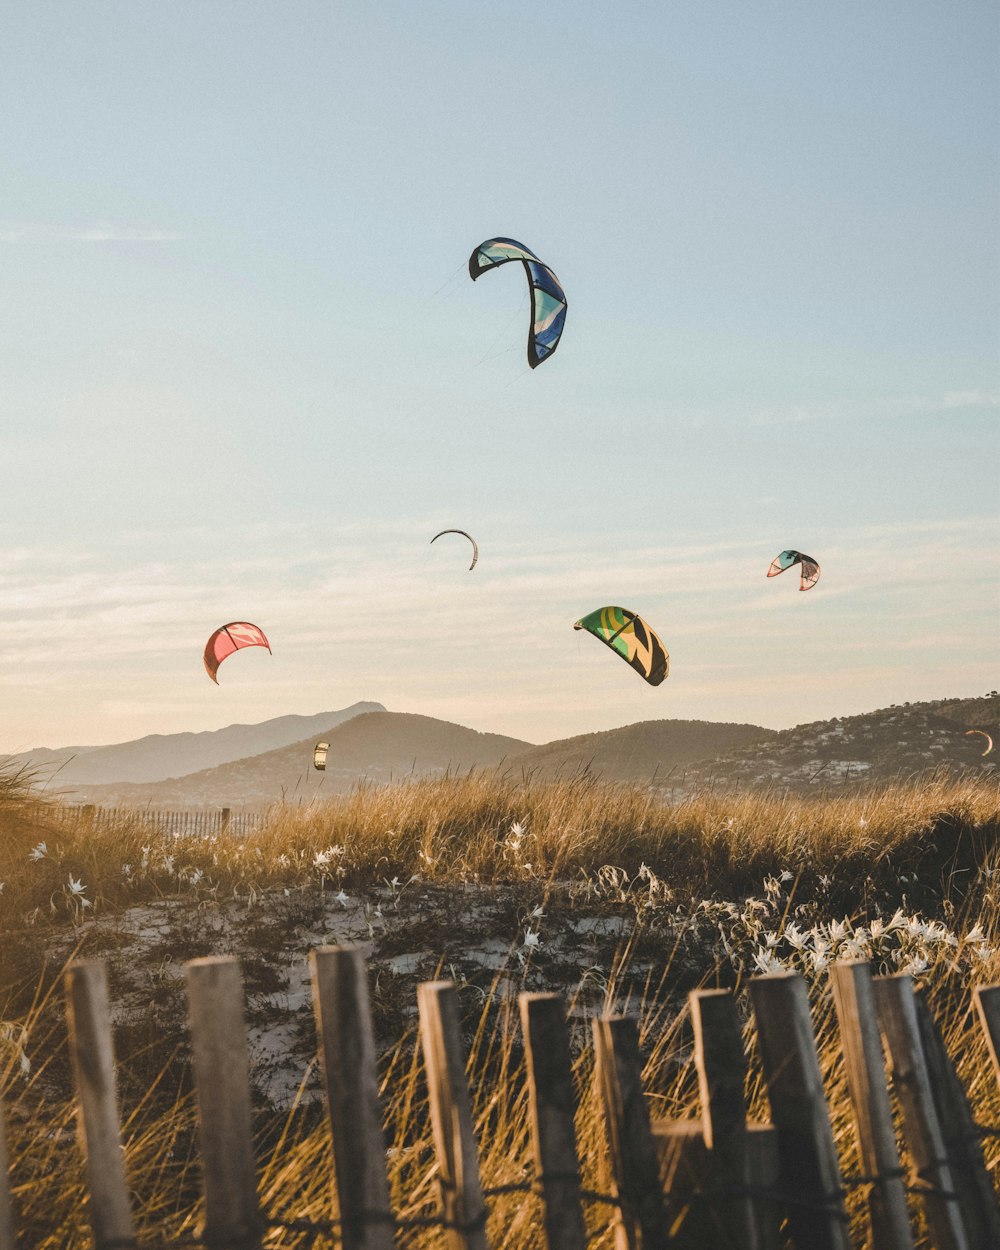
[{"x": 99, "y": 232}]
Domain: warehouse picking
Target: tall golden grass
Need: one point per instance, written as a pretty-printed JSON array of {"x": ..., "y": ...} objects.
[
  {"x": 460, "y": 830},
  {"x": 486, "y": 829}
]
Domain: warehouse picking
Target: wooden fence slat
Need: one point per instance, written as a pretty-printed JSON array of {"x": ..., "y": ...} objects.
[
  {"x": 897, "y": 1017},
  {"x": 961, "y": 1138},
  {"x": 552, "y": 1103},
  {"x": 634, "y": 1154},
  {"x": 810, "y": 1171},
  {"x": 347, "y": 1053},
  {"x": 222, "y": 1083},
  {"x": 89, "y": 1019},
  {"x": 854, "y": 1000},
  {"x": 8, "y": 1235},
  {"x": 462, "y": 1199},
  {"x": 722, "y": 1070},
  {"x": 987, "y": 999}
]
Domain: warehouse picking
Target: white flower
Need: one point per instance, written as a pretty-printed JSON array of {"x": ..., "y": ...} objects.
[
  {"x": 322, "y": 858},
  {"x": 537, "y": 913},
  {"x": 786, "y": 876},
  {"x": 196, "y": 876},
  {"x": 794, "y": 936},
  {"x": 916, "y": 965},
  {"x": 168, "y": 863},
  {"x": 531, "y": 938},
  {"x": 39, "y": 852},
  {"x": 766, "y": 961},
  {"x": 770, "y": 940},
  {"x": 76, "y": 888},
  {"x": 341, "y": 898}
]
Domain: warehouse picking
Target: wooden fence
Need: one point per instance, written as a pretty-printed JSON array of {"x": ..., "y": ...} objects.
[
  {"x": 716, "y": 1182},
  {"x": 189, "y": 823}
]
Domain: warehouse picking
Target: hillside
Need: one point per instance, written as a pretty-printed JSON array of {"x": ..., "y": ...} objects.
[
  {"x": 377, "y": 746},
  {"x": 160, "y": 756},
  {"x": 641, "y": 751},
  {"x": 879, "y": 746}
]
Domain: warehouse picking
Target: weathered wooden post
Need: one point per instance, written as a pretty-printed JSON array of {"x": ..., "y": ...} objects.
[
  {"x": 462, "y": 1201},
  {"x": 961, "y": 1138},
  {"x": 552, "y": 1104},
  {"x": 854, "y": 999},
  {"x": 810, "y": 1171},
  {"x": 8, "y": 1236},
  {"x": 897, "y": 1017},
  {"x": 988, "y": 1006},
  {"x": 224, "y": 816},
  {"x": 222, "y": 1081},
  {"x": 721, "y": 1064},
  {"x": 347, "y": 1054},
  {"x": 89, "y": 1017},
  {"x": 634, "y": 1154}
]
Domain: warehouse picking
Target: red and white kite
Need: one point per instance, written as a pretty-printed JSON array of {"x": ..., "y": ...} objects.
[{"x": 229, "y": 638}]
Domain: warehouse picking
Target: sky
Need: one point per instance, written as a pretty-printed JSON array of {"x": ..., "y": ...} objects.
[{"x": 245, "y": 376}]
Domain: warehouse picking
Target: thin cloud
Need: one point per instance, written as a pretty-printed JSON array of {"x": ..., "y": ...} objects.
[
  {"x": 888, "y": 408},
  {"x": 100, "y": 232}
]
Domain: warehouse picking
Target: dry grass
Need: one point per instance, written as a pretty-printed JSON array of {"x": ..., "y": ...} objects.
[
  {"x": 488, "y": 829},
  {"x": 941, "y": 838}
]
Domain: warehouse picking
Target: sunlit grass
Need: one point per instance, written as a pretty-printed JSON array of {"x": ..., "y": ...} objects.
[{"x": 766, "y": 878}]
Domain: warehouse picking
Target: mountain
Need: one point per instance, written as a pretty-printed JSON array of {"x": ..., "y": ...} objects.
[
  {"x": 159, "y": 756},
  {"x": 890, "y": 743},
  {"x": 641, "y": 751},
  {"x": 380, "y": 746}
]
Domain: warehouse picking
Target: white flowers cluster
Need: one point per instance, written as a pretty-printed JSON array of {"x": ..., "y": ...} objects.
[{"x": 756, "y": 939}]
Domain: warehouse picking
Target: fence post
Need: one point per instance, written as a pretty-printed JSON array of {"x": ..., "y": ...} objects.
[
  {"x": 89, "y": 1018},
  {"x": 8, "y": 1236},
  {"x": 224, "y": 817},
  {"x": 551, "y": 1102},
  {"x": 810, "y": 1171},
  {"x": 634, "y": 1154},
  {"x": 222, "y": 1080},
  {"x": 347, "y": 1053},
  {"x": 462, "y": 1199},
  {"x": 721, "y": 1064},
  {"x": 854, "y": 999},
  {"x": 988, "y": 1005},
  {"x": 897, "y": 1018},
  {"x": 961, "y": 1138}
]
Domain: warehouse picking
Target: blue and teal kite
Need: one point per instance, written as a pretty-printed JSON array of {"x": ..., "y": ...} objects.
[{"x": 548, "y": 300}]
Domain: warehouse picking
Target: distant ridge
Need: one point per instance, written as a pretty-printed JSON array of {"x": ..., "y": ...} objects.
[
  {"x": 159, "y": 756},
  {"x": 640, "y": 752},
  {"x": 890, "y": 743},
  {"x": 380, "y": 746},
  {"x": 674, "y": 757}
]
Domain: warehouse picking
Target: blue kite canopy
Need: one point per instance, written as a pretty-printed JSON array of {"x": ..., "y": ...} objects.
[
  {"x": 786, "y": 559},
  {"x": 548, "y": 300}
]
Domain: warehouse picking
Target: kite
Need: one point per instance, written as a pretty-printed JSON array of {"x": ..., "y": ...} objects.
[
  {"x": 319, "y": 755},
  {"x": 810, "y": 569},
  {"x": 989, "y": 740},
  {"x": 548, "y": 300},
  {"x": 229, "y": 638},
  {"x": 475, "y": 545},
  {"x": 628, "y": 634}
]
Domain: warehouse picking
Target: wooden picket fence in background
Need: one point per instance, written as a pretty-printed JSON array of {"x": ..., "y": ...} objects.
[
  {"x": 185, "y": 823},
  {"x": 716, "y": 1182}
]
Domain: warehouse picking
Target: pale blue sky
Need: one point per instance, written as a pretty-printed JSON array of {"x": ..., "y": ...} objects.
[{"x": 244, "y": 370}]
